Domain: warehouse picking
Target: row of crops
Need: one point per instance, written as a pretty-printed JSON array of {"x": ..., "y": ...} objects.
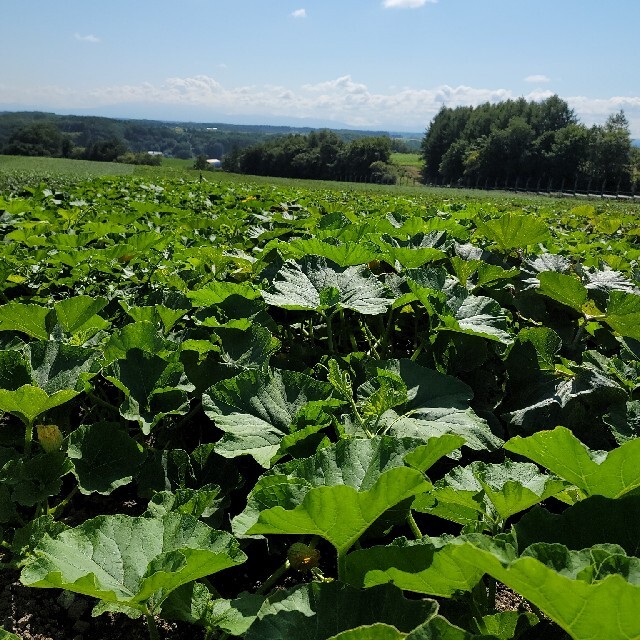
[{"x": 336, "y": 415}]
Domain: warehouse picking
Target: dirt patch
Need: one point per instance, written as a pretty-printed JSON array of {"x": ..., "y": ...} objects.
[{"x": 51, "y": 614}]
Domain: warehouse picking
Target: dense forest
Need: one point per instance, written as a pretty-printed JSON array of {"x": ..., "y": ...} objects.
[
  {"x": 320, "y": 155},
  {"x": 534, "y": 143},
  {"x": 107, "y": 139}
]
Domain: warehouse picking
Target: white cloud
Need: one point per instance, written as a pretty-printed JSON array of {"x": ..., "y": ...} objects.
[
  {"x": 341, "y": 100},
  {"x": 299, "y": 13},
  {"x": 88, "y": 38},
  {"x": 406, "y": 4},
  {"x": 345, "y": 83},
  {"x": 537, "y": 79}
]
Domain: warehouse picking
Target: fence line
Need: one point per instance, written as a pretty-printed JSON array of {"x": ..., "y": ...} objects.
[{"x": 544, "y": 188}]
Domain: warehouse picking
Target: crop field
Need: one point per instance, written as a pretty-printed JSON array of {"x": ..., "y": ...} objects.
[{"x": 267, "y": 411}]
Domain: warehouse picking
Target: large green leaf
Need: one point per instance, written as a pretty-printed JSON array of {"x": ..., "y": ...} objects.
[
  {"x": 314, "y": 285},
  {"x": 34, "y": 479},
  {"x": 14, "y": 370},
  {"x": 56, "y": 366},
  {"x": 493, "y": 491},
  {"x": 534, "y": 350},
  {"x": 26, "y": 318},
  {"x": 355, "y": 463},
  {"x": 104, "y": 457},
  {"x": 514, "y": 231},
  {"x": 215, "y": 292},
  {"x": 257, "y": 410},
  {"x": 28, "y": 402},
  {"x": 623, "y": 314},
  {"x": 137, "y": 335},
  {"x": 437, "y": 628},
  {"x": 200, "y": 503},
  {"x": 318, "y": 611},
  {"x": 378, "y": 631},
  {"x": 340, "y": 514},
  {"x": 422, "y": 566},
  {"x": 412, "y": 258},
  {"x": 547, "y": 399},
  {"x": 153, "y": 387},
  {"x": 436, "y": 404},
  {"x": 596, "y": 520},
  {"x": 591, "y": 594},
  {"x": 624, "y": 421},
  {"x": 135, "y": 562},
  {"x": 611, "y": 474},
  {"x": 512, "y": 487},
  {"x": 74, "y": 314},
  {"x": 160, "y": 316},
  {"x": 345, "y": 255},
  {"x": 479, "y": 316},
  {"x": 195, "y": 604},
  {"x": 564, "y": 289},
  {"x": 248, "y": 349}
]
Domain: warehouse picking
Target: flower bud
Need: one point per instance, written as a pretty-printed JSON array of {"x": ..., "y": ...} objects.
[
  {"x": 50, "y": 437},
  {"x": 302, "y": 558}
]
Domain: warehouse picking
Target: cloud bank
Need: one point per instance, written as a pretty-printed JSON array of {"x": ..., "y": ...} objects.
[
  {"x": 341, "y": 100},
  {"x": 299, "y": 13}
]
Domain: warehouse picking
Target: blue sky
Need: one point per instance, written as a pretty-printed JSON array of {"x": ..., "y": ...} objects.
[{"x": 374, "y": 64}]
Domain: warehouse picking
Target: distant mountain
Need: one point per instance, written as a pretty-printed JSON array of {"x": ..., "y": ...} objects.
[
  {"x": 635, "y": 143},
  {"x": 196, "y": 116}
]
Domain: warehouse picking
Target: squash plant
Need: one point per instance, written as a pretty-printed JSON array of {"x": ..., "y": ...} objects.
[{"x": 336, "y": 414}]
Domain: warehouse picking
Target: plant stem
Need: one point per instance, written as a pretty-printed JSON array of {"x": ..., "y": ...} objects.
[
  {"x": 371, "y": 339},
  {"x": 414, "y": 526},
  {"x": 311, "y": 335},
  {"x": 152, "y": 627},
  {"x": 385, "y": 347},
  {"x": 103, "y": 403},
  {"x": 342, "y": 566},
  {"x": 417, "y": 352},
  {"x": 273, "y": 578},
  {"x": 189, "y": 415},
  {"x": 28, "y": 438},
  {"x": 61, "y": 505},
  {"x": 328, "y": 319},
  {"x": 578, "y": 336}
]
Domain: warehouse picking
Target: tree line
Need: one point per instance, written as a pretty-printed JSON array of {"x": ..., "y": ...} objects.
[
  {"x": 320, "y": 155},
  {"x": 107, "y": 139},
  {"x": 530, "y": 142}
]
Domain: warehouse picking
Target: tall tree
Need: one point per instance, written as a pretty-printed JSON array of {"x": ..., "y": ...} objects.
[{"x": 610, "y": 156}]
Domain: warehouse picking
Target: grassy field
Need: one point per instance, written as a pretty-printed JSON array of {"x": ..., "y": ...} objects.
[
  {"x": 407, "y": 159},
  {"x": 62, "y": 166}
]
